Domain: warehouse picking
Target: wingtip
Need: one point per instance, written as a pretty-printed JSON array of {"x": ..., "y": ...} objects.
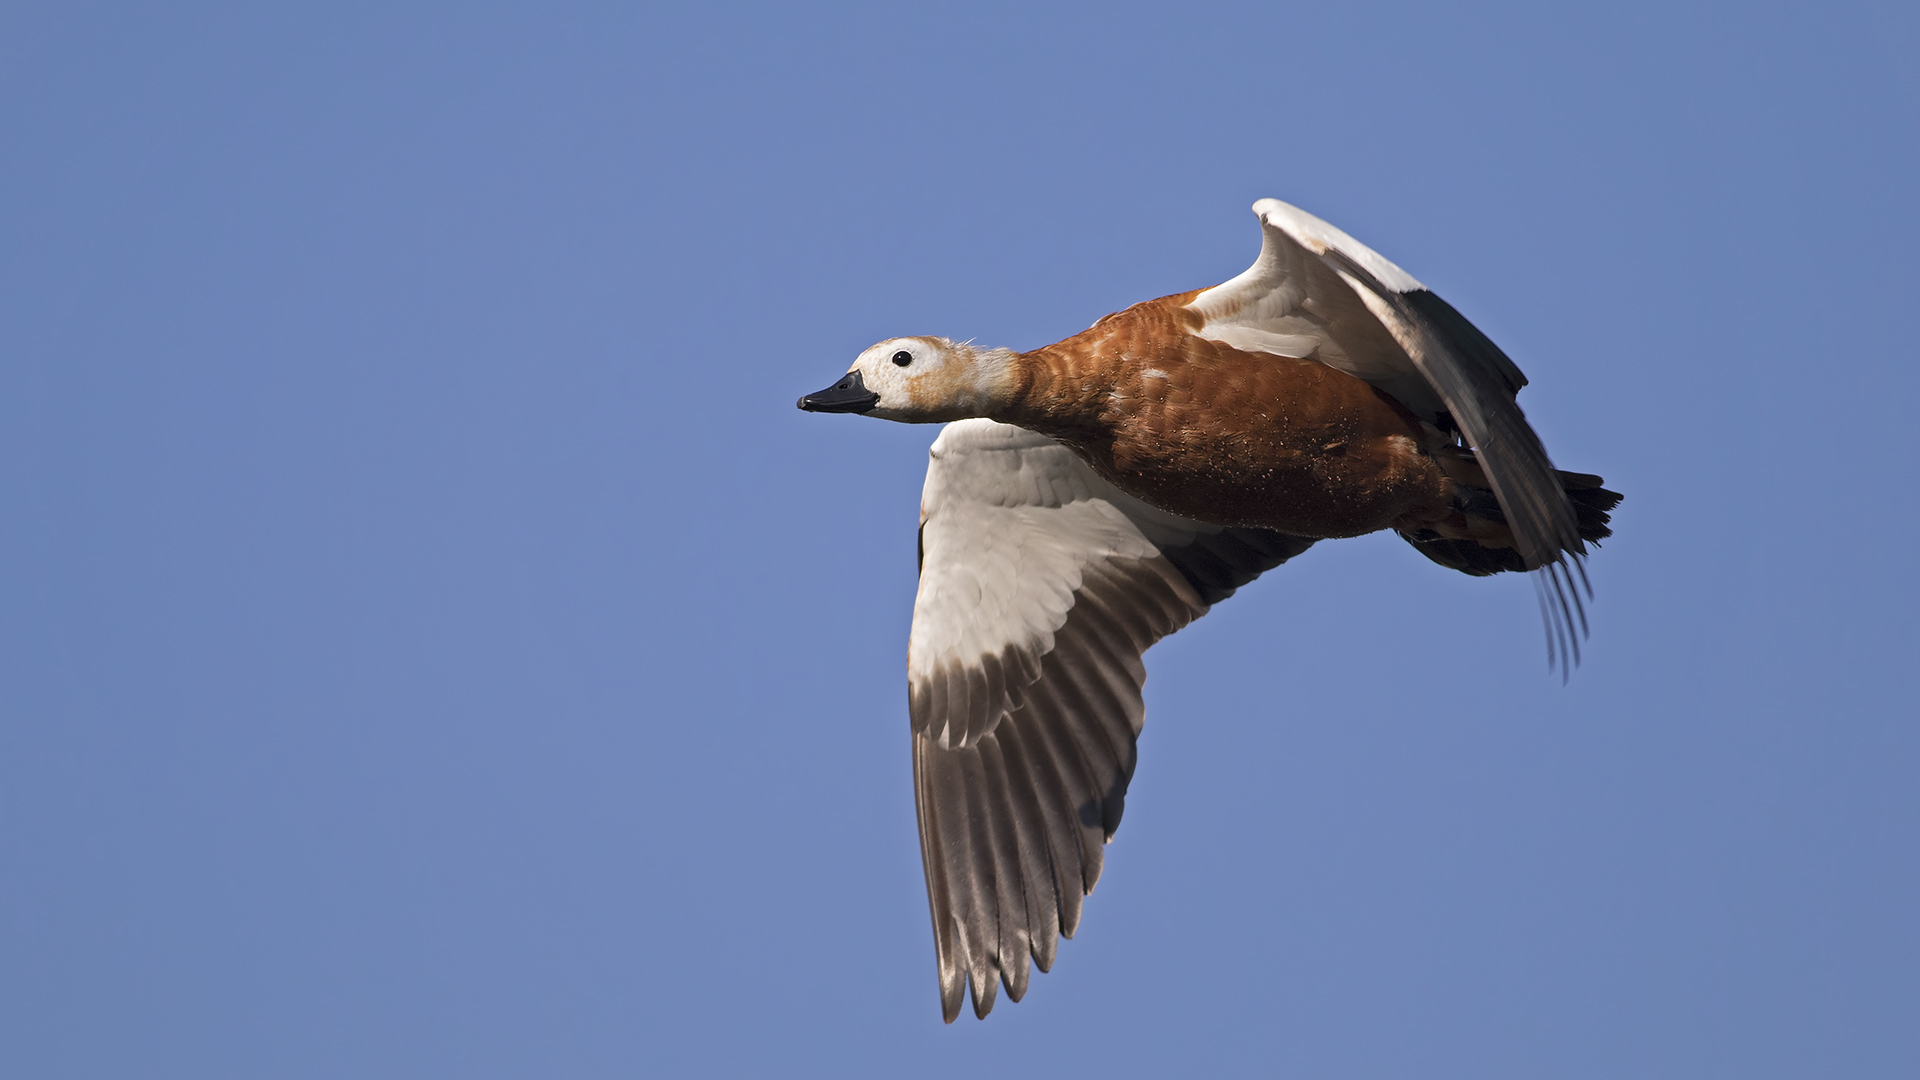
[
  {"x": 1015, "y": 982},
  {"x": 983, "y": 1003},
  {"x": 953, "y": 993},
  {"x": 1563, "y": 611}
]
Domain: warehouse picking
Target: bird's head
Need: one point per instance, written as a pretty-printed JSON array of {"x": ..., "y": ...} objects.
[{"x": 919, "y": 380}]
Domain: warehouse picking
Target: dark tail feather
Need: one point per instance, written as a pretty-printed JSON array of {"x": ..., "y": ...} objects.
[{"x": 1561, "y": 586}]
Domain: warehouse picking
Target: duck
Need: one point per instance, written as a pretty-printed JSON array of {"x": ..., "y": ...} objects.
[{"x": 1088, "y": 498}]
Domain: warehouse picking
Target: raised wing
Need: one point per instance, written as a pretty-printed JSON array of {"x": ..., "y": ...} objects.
[
  {"x": 1317, "y": 292},
  {"x": 1040, "y": 586}
]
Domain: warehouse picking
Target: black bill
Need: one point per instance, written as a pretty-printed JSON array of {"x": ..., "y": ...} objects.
[{"x": 848, "y": 395}]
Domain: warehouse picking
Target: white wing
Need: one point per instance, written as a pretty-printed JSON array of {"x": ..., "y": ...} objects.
[
  {"x": 1040, "y": 586},
  {"x": 1315, "y": 285}
]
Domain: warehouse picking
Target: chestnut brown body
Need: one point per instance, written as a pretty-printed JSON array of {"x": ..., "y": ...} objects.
[{"x": 1204, "y": 430}]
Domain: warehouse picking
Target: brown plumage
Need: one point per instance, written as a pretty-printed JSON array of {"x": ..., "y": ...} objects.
[{"x": 1207, "y": 431}]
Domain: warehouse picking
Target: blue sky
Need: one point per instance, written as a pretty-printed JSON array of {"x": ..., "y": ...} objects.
[{"x": 431, "y": 643}]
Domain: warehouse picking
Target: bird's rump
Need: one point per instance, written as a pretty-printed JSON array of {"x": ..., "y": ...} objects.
[{"x": 1373, "y": 320}]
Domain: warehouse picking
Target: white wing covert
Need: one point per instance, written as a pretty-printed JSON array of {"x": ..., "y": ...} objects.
[
  {"x": 1041, "y": 584},
  {"x": 1365, "y": 316}
]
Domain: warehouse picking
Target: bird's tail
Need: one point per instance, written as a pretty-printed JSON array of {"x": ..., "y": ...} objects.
[{"x": 1474, "y": 538}]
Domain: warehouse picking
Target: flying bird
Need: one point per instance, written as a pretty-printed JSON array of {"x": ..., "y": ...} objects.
[{"x": 1091, "y": 497}]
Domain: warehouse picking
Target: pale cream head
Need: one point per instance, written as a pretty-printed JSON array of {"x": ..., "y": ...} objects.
[{"x": 931, "y": 380}]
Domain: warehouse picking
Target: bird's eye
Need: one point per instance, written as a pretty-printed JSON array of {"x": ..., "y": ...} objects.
[{"x": 903, "y": 358}]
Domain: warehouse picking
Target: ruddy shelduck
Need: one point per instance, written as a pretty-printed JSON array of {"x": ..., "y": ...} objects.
[{"x": 1091, "y": 497}]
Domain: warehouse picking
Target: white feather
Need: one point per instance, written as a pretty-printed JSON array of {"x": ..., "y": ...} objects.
[
  {"x": 1011, "y": 522},
  {"x": 1291, "y": 302}
]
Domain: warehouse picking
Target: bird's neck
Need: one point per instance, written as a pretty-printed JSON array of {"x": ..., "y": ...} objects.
[{"x": 1055, "y": 393}]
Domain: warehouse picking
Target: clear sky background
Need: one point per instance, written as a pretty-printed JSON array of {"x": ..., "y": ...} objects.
[{"x": 432, "y": 644}]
